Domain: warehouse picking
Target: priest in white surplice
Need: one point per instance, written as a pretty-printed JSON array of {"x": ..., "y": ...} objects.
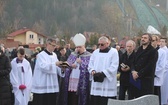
[
  {"x": 164, "y": 87},
  {"x": 21, "y": 78},
  {"x": 160, "y": 67},
  {"x": 45, "y": 80},
  {"x": 103, "y": 67}
]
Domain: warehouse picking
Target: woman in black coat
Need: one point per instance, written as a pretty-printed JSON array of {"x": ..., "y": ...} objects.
[{"x": 5, "y": 85}]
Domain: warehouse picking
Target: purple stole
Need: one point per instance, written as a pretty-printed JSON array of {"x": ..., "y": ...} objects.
[{"x": 83, "y": 90}]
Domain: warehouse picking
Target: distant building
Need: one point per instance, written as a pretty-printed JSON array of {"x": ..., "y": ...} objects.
[{"x": 25, "y": 37}]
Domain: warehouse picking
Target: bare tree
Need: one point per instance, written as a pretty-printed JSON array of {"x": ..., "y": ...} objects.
[
  {"x": 16, "y": 23},
  {"x": 39, "y": 26},
  {"x": 2, "y": 5}
]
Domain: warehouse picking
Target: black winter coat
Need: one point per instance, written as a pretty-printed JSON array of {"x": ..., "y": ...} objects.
[
  {"x": 5, "y": 85},
  {"x": 125, "y": 75},
  {"x": 144, "y": 64}
]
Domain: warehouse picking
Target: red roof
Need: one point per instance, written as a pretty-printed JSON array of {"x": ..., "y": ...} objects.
[{"x": 21, "y": 31}]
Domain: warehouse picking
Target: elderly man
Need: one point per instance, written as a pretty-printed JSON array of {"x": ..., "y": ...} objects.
[
  {"x": 103, "y": 67},
  {"x": 125, "y": 69},
  {"x": 143, "y": 69},
  {"x": 45, "y": 81},
  {"x": 76, "y": 84}
]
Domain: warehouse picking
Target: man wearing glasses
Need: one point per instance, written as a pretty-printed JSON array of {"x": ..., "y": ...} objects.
[
  {"x": 45, "y": 81},
  {"x": 103, "y": 67}
]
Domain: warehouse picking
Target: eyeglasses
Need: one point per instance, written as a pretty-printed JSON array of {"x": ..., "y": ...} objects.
[
  {"x": 52, "y": 45},
  {"x": 100, "y": 44}
]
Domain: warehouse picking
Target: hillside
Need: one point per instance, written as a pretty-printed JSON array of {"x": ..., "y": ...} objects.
[{"x": 67, "y": 17}]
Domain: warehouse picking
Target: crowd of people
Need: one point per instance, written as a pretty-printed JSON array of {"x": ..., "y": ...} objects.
[{"x": 61, "y": 76}]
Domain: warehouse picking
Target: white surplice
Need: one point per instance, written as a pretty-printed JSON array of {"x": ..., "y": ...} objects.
[
  {"x": 164, "y": 87},
  {"x": 108, "y": 64},
  {"x": 45, "y": 78},
  {"x": 160, "y": 67},
  {"x": 74, "y": 79},
  {"x": 19, "y": 76}
]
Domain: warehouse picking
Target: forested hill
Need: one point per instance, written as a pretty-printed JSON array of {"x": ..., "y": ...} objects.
[
  {"x": 49, "y": 16},
  {"x": 68, "y": 17}
]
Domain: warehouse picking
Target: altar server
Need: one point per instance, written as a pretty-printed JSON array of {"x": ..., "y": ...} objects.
[
  {"x": 45, "y": 85},
  {"x": 21, "y": 78},
  {"x": 164, "y": 90},
  {"x": 160, "y": 67}
]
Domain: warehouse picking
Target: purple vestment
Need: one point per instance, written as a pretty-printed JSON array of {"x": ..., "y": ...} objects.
[{"x": 83, "y": 89}]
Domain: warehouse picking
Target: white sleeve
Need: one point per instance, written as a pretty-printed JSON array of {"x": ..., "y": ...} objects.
[
  {"x": 13, "y": 76},
  {"x": 45, "y": 66},
  {"x": 60, "y": 73},
  {"x": 111, "y": 71},
  {"x": 28, "y": 81},
  {"x": 161, "y": 63},
  {"x": 91, "y": 63}
]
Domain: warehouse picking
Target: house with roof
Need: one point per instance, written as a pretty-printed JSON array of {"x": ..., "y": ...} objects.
[{"x": 27, "y": 37}]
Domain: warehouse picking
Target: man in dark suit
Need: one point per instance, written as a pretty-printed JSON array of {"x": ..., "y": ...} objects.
[{"x": 143, "y": 68}]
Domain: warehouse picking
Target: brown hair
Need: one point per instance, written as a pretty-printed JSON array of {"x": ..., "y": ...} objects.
[
  {"x": 164, "y": 39},
  {"x": 149, "y": 35},
  {"x": 21, "y": 51}
]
